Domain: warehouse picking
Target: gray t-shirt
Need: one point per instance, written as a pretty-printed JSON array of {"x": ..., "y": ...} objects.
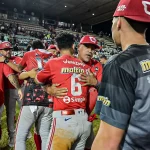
[{"x": 125, "y": 96}]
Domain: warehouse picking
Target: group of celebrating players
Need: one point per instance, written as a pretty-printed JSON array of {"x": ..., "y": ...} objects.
[{"x": 59, "y": 93}]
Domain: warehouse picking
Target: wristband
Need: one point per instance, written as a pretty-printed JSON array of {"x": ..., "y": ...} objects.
[{"x": 6, "y": 61}]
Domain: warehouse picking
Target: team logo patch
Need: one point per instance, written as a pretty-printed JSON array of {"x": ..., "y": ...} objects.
[
  {"x": 146, "y": 4},
  {"x": 145, "y": 65},
  {"x": 92, "y": 39},
  {"x": 7, "y": 45},
  {"x": 66, "y": 119},
  {"x": 104, "y": 100},
  {"x": 96, "y": 68}
]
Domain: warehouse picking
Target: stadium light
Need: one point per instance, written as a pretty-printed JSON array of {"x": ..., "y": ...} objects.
[
  {"x": 65, "y": 6},
  {"x": 93, "y": 14}
]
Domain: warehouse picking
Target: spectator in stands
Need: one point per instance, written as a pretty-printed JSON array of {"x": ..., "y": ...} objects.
[
  {"x": 2, "y": 37},
  {"x": 103, "y": 60},
  {"x": 29, "y": 47},
  {"x": 16, "y": 47}
]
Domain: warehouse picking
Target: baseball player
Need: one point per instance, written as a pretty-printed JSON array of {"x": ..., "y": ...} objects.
[
  {"x": 36, "y": 106},
  {"x": 70, "y": 127},
  {"x": 5, "y": 47},
  {"x": 53, "y": 49},
  {"x": 11, "y": 96},
  {"x": 52, "y": 53},
  {"x": 86, "y": 46},
  {"x": 125, "y": 86}
]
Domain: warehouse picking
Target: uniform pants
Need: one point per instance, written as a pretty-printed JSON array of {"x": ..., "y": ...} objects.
[
  {"x": 90, "y": 139},
  {"x": 41, "y": 116},
  {"x": 11, "y": 96},
  {"x": 69, "y": 132}
]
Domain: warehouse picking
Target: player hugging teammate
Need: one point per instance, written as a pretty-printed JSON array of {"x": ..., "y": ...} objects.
[{"x": 72, "y": 87}]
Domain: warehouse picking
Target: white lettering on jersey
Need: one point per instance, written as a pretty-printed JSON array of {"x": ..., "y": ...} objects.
[
  {"x": 146, "y": 4},
  {"x": 68, "y": 99},
  {"x": 73, "y": 62}
]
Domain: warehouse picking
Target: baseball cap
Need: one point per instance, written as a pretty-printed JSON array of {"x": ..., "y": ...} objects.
[
  {"x": 87, "y": 39},
  {"x": 52, "y": 47},
  {"x": 5, "y": 45},
  {"x": 138, "y": 10}
]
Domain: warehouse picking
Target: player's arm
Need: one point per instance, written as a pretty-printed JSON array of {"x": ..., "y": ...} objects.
[
  {"x": 108, "y": 137},
  {"x": 14, "y": 81},
  {"x": 43, "y": 76},
  {"x": 15, "y": 67},
  {"x": 55, "y": 91},
  {"x": 8, "y": 72},
  {"x": 99, "y": 75},
  {"x": 28, "y": 74},
  {"x": 92, "y": 80},
  {"x": 88, "y": 79},
  {"x": 117, "y": 97}
]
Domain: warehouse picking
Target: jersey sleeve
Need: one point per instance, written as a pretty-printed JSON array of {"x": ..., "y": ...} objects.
[
  {"x": 24, "y": 60},
  {"x": 116, "y": 94},
  {"x": 99, "y": 73},
  {"x": 44, "y": 75},
  {"x": 18, "y": 60},
  {"x": 7, "y": 70}
]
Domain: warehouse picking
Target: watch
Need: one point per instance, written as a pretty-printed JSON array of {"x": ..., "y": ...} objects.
[{"x": 6, "y": 61}]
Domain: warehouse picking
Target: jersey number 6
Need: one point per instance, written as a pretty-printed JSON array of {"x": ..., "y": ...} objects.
[{"x": 76, "y": 89}]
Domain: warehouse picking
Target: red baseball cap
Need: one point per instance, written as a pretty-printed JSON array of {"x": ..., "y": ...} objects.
[
  {"x": 138, "y": 10},
  {"x": 5, "y": 45},
  {"x": 52, "y": 47},
  {"x": 87, "y": 39}
]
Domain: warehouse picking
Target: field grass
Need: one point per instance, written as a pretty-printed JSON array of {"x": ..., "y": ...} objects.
[{"x": 30, "y": 142}]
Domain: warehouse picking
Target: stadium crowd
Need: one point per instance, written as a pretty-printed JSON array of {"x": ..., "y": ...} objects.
[{"x": 62, "y": 78}]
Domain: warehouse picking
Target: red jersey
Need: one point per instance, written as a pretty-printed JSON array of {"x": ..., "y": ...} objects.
[
  {"x": 15, "y": 60},
  {"x": 30, "y": 59},
  {"x": 34, "y": 94},
  {"x": 4, "y": 71},
  {"x": 97, "y": 69},
  {"x": 66, "y": 70}
]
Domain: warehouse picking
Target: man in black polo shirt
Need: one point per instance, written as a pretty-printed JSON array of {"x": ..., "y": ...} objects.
[{"x": 125, "y": 87}]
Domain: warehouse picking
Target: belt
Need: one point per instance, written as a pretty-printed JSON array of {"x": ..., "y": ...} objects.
[
  {"x": 72, "y": 112},
  {"x": 68, "y": 112}
]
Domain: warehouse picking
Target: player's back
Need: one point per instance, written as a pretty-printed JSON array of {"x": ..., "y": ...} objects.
[
  {"x": 35, "y": 59},
  {"x": 66, "y": 71}
]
